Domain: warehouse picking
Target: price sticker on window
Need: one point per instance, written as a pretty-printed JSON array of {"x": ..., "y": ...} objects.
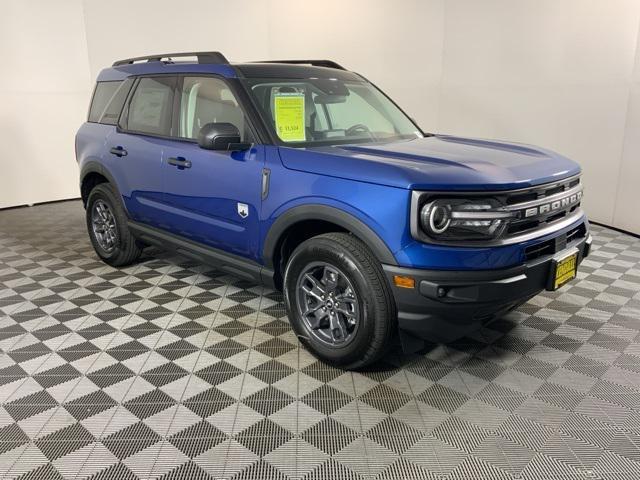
[{"x": 289, "y": 116}]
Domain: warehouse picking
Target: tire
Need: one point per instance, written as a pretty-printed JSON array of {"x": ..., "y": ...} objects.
[
  {"x": 363, "y": 292},
  {"x": 123, "y": 249}
]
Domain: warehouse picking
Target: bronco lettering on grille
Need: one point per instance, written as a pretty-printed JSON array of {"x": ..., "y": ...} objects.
[{"x": 550, "y": 207}]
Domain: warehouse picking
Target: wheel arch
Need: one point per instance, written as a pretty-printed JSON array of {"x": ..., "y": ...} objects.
[
  {"x": 93, "y": 173},
  {"x": 305, "y": 221}
]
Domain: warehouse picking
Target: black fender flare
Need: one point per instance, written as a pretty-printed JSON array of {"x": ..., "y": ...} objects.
[
  {"x": 328, "y": 214},
  {"x": 94, "y": 166}
]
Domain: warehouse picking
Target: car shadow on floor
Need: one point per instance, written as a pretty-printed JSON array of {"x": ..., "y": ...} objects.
[
  {"x": 455, "y": 353},
  {"x": 452, "y": 354}
]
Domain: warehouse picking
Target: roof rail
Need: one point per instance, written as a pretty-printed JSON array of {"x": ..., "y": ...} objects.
[
  {"x": 203, "y": 57},
  {"x": 315, "y": 63}
]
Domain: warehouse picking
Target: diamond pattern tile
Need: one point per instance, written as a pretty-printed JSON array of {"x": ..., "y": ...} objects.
[{"x": 168, "y": 369}]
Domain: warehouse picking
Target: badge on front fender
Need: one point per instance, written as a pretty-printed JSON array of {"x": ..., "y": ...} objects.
[{"x": 243, "y": 210}]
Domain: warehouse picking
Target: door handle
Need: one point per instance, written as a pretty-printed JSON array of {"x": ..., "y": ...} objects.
[
  {"x": 179, "y": 162},
  {"x": 118, "y": 151}
]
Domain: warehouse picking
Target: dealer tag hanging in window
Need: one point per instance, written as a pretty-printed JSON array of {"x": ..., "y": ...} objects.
[{"x": 289, "y": 116}]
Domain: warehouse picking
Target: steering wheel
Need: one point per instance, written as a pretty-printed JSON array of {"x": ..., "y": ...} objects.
[{"x": 358, "y": 127}]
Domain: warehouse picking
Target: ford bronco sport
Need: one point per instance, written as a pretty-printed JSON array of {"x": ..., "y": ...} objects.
[{"x": 306, "y": 177}]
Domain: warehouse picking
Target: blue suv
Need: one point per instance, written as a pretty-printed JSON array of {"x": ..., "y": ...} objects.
[{"x": 306, "y": 177}]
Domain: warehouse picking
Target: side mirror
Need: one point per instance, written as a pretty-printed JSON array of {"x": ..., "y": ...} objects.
[{"x": 221, "y": 136}]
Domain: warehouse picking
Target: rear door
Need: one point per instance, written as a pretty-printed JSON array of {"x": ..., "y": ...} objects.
[
  {"x": 213, "y": 197},
  {"x": 135, "y": 150}
]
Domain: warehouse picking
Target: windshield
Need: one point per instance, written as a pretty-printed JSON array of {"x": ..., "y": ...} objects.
[{"x": 322, "y": 111}]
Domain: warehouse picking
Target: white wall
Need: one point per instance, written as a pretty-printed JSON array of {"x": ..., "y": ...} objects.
[
  {"x": 395, "y": 44},
  {"x": 559, "y": 74},
  {"x": 552, "y": 73},
  {"x": 123, "y": 28},
  {"x": 44, "y": 91},
  {"x": 627, "y": 211}
]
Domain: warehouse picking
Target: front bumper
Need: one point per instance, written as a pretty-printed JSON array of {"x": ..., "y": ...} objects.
[{"x": 446, "y": 305}]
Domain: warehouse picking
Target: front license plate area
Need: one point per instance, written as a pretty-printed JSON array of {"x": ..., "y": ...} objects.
[{"x": 563, "y": 270}]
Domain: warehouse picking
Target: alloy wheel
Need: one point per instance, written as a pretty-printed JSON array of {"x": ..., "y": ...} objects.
[
  {"x": 328, "y": 304},
  {"x": 104, "y": 227}
]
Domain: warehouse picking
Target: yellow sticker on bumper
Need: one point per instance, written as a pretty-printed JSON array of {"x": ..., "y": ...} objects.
[{"x": 565, "y": 270}]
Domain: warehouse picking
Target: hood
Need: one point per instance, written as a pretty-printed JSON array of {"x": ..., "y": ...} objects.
[{"x": 435, "y": 163}]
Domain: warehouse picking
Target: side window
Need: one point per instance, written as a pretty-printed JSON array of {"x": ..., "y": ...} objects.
[
  {"x": 107, "y": 101},
  {"x": 205, "y": 100},
  {"x": 150, "y": 108}
]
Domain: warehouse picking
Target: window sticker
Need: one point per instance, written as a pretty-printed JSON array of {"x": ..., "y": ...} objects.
[{"x": 289, "y": 116}]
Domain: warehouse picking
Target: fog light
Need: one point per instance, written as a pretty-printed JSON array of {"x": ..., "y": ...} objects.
[{"x": 404, "y": 282}]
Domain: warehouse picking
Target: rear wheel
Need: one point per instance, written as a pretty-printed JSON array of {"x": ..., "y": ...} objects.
[
  {"x": 108, "y": 230},
  {"x": 338, "y": 300}
]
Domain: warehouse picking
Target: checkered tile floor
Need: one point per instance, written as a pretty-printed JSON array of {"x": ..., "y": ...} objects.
[{"x": 168, "y": 369}]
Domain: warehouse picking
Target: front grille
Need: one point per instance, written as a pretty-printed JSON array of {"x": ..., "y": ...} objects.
[
  {"x": 540, "y": 250},
  {"x": 554, "y": 245},
  {"x": 576, "y": 233},
  {"x": 535, "y": 193},
  {"x": 538, "y": 198}
]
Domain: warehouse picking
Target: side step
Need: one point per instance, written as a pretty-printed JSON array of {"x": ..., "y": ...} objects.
[{"x": 233, "y": 264}]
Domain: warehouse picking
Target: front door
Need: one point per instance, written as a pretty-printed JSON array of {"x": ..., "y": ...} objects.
[{"x": 212, "y": 197}]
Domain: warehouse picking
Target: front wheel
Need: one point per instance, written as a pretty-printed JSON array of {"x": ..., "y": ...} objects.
[{"x": 338, "y": 300}]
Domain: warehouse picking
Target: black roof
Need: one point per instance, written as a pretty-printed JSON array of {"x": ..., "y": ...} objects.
[
  {"x": 292, "y": 70},
  {"x": 265, "y": 69}
]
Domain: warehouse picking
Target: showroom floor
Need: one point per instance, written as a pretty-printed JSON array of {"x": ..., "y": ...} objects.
[{"x": 168, "y": 369}]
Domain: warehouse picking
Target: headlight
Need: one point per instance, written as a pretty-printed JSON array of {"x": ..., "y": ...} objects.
[{"x": 461, "y": 219}]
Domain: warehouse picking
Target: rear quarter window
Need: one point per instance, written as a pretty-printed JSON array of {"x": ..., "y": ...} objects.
[
  {"x": 151, "y": 105},
  {"x": 108, "y": 99}
]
